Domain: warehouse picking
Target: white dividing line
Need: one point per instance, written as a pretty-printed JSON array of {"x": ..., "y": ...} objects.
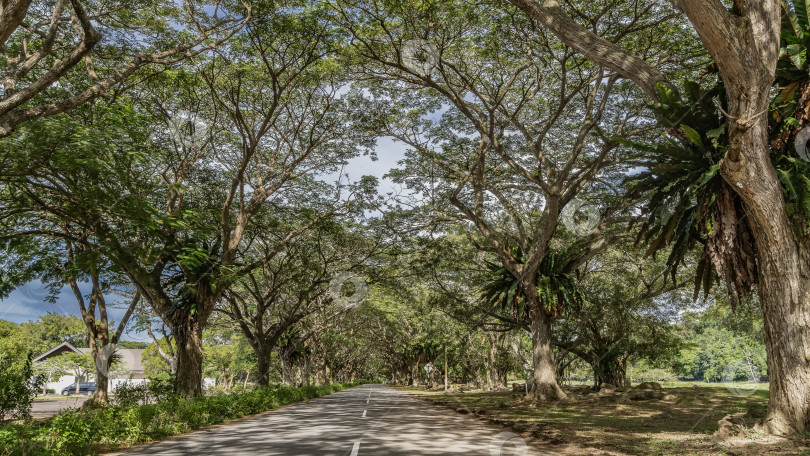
[
  {"x": 364, "y": 413},
  {"x": 355, "y": 448},
  {"x": 367, "y": 400}
]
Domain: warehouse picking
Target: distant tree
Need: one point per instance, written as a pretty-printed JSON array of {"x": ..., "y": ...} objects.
[
  {"x": 228, "y": 358},
  {"x": 627, "y": 313},
  {"x": 161, "y": 350},
  {"x": 723, "y": 345},
  {"x": 51, "y": 330},
  {"x": 70, "y": 257},
  {"x": 18, "y": 383},
  {"x": 268, "y": 302},
  {"x": 158, "y": 357}
]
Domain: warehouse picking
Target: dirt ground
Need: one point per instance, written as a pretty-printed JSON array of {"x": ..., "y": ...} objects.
[{"x": 681, "y": 421}]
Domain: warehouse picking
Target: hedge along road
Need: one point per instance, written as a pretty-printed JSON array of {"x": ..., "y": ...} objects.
[{"x": 365, "y": 420}]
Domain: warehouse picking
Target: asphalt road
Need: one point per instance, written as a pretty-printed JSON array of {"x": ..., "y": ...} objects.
[
  {"x": 52, "y": 406},
  {"x": 366, "y": 420}
]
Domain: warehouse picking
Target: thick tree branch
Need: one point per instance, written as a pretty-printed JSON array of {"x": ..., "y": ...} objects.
[
  {"x": 12, "y": 13},
  {"x": 595, "y": 48}
]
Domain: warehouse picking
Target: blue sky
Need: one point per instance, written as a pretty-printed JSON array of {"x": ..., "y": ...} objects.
[{"x": 28, "y": 302}]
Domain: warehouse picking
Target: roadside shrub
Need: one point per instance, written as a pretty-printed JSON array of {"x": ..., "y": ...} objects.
[
  {"x": 128, "y": 395},
  {"x": 18, "y": 386},
  {"x": 90, "y": 431},
  {"x": 158, "y": 389},
  {"x": 161, "y": 387},
  {"x": 70, "y": 432}
]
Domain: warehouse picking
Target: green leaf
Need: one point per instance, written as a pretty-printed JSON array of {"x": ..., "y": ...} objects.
[
  {"x": 797, "y": 54},
  {"x": 789, "y": 18},
  {"x": 801, "y": 7},
  {"x": 792, "y": 187},
  {"x": 708, "y": 175},
  {"x": 717, "y": 132},
  {"x": 693, "y": 136},
  {"x": 787, "y": 93}
]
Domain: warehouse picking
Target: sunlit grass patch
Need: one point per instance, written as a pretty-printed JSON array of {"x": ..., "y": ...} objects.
[{"x": 681, "y": 424}]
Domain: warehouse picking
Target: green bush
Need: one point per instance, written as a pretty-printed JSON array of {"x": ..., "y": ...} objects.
[
  {"x": 18, "y": 386},
  {"x": 95, "y": 430},
  {"x": 159, "y": 388}
]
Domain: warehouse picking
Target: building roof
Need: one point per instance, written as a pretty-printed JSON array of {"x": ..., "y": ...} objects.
[
  {"x": 60, "y": 349},
  {"x": 129, "y": 359}
]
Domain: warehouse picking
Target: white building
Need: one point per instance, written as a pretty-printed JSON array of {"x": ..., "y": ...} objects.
[{"x": 128, "y": 369}]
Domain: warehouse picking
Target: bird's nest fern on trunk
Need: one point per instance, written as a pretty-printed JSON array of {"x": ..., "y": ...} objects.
[
  {"x": 688, "y": 201},
  {"x": 557, "y": 290}
]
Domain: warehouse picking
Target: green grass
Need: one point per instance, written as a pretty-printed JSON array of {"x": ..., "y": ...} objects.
[{"x": 681, "y": 424}]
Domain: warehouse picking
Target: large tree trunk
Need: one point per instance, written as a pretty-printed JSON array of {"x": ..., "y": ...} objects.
[
  {"x": 747, "y": 64},
  {"x": 612, "y": 375},
  {"x": 263, "y": 357},
  {"x": 102, "y": 386},
  {"x": 320, "y": 372},
  {"x": 745, "y": 45},
  {"x": 609, "y": 369},
  {"x": 784, "y": 290},
  {"x": 545, "y": 386},
  {"x": 446, "y": 380},
  {"x": 784, "y": 268},
  {"x": 492, "y": 376},
  {"x": 188, "y": 337}
]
